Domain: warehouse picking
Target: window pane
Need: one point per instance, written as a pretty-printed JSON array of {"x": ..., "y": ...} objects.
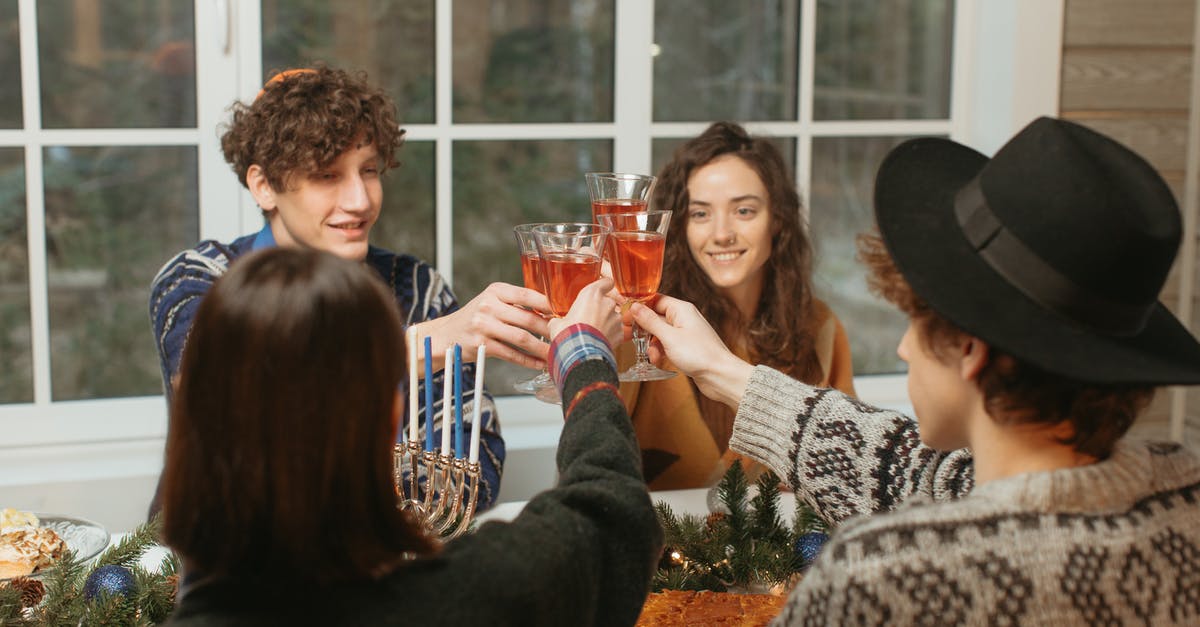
[
  {"x": 114, "y": 215},
  {"x": 117, "y": 64},
  {"x": 408, "y": 223},
  {"x": 725, "y": 60},
  {"x": 16, "y": 347},
  {"x": 10, "y": 66},
  {"x": 663, "y": 149},
  {"x": 391, "y": 40},
  {"x": 883, "y": 60},
  {"x": 500, "y": 184},
  {"x": 520, "y": 61},
  {"x": 843, "y": 176}
]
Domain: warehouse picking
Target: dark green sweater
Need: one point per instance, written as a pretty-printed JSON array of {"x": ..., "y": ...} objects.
[{"x": 581, "y": 553}]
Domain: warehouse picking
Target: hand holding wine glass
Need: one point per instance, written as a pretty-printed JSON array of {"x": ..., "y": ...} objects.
[{"x": 636, "y": 247}]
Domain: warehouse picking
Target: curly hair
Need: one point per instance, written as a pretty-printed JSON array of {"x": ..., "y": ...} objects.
[
  {"x": 782, "y": 334},
  {"x": 304, "y": 120},
  {"x": 1014, "y": 391}
]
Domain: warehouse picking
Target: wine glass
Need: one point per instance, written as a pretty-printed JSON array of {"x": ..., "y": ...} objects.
[
  {"x": 570, "y": 254},
  {"x": 617, "y": 192},
  {"x": 636, "y": 248},
  {"x": 531, "y": 273}
]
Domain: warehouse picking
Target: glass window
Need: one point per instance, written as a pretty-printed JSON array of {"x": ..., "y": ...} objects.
[
  {"x": 10, "y": 66},
  {"x": 408, "y": 221},
  {"x": 726, "y": 60},
  {"x": 113, "y": 216},
  {"x": 883, "y": 60},
  {"x": 521, "y": 61},
  {"x": 841, "y": 207},
  {"x": 16, "y": 367},
  {"x": 500, "y": 184},
  {"x": 117, "y": 64},
  {"x": 392, "y": 40}
]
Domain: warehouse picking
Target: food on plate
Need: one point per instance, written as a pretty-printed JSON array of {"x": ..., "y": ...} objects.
[{"x": 26, "y": 547}]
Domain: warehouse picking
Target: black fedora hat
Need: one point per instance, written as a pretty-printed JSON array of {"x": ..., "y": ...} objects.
[{"x": 1053, "y": 251}]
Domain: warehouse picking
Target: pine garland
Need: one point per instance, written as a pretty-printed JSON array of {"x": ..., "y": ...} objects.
[
  {"x": 149, "y": 602},
  {"x": 747, "y": 548}
]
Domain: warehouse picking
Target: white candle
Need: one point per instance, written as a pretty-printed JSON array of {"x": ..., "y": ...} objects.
[
  {"x": 480, "y": 356},
  {"x": 411, "y": 344},
  {"x": 447, "y": 400}
]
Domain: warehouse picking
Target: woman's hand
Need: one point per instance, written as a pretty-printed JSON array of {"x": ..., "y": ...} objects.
[
  {"x": 503, "y": 317},
  {"x": 686, "y": 338},
  {"x": 594, "y": 306}
]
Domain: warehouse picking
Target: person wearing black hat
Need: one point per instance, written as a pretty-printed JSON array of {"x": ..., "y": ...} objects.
[{"x": 1031, "y": 282}]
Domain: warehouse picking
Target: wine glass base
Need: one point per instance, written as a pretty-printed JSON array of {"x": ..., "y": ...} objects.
[
  {"x": 651, "y": 373},
  {"x": 532, "y": 386},
  {"x": 548, "y": 395}
]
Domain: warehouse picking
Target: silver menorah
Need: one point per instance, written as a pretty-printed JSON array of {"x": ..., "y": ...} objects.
[{"x": 451, "y": 486}]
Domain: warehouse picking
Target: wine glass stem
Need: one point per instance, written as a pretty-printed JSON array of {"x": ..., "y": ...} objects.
[{"x": 641, "y": 341}]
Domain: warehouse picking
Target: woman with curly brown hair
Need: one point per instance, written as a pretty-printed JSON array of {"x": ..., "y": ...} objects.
[
  {"x": 312, "y": 148},
  {"x": 737, "y": 248}
]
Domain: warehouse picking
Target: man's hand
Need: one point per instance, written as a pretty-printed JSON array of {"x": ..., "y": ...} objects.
[
  {"x": 503, "y": 317},
  {"x": 694, "y": 348}
]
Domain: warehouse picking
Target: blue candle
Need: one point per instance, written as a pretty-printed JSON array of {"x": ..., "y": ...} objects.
[
  {"x": 458, "y": 424},
  {"x": 428, "y": 393}
]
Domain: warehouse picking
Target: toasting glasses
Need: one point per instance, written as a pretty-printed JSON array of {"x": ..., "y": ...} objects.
[{"x": 636, "y": 248}]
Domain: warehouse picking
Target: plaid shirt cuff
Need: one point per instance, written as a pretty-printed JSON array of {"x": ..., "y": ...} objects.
[{"x": 574, "y": 345}]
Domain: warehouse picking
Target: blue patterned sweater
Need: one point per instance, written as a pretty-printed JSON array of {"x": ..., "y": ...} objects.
[{"x": 420, "y": 291}]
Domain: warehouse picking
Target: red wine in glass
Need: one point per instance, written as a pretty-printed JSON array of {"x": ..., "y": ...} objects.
[
  {"x": 566, "y": 275},
  {"x": 637, "y": 260}
]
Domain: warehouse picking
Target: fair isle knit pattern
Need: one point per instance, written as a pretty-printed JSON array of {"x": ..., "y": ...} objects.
[
  {"x": 420, "y": 292},
  {"x": 1111, "y": 543}
]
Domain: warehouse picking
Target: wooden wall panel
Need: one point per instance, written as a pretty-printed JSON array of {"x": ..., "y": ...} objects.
[
  {"x": 1141, "y": 79},
  {"x": 1113, "y": 23}
]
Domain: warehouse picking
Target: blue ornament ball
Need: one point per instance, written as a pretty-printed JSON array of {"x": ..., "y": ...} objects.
[
  {"x": 809, "y": 545},
  {"x": 111, "y": 580}
]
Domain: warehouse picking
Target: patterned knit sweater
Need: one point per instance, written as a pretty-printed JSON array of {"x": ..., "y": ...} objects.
[
  {"x": 1112, "y": 543},
  {"x": 420, "y": 292}
]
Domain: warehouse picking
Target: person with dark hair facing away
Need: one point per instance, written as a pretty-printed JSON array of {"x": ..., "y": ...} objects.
[
  {"x": 738, "y": 248},
  {"x": 1035, "y": 338},
  {"x": 312, "y": 148},
  {"x": 278, "y": 492}
]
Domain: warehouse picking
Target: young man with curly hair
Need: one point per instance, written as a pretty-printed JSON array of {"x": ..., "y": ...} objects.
[
  {"x": 311, "y": 148},
  {"x": 1031, "y": 282}
]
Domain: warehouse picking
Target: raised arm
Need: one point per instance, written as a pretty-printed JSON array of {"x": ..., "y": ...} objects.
[{"x": 840, "y": 455}]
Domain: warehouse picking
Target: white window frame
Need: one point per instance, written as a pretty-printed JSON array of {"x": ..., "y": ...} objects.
[{"x": 1005, "y": 73}]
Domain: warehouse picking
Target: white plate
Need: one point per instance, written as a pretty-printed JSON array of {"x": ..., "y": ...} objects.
[{"x": 83, "y": 536}]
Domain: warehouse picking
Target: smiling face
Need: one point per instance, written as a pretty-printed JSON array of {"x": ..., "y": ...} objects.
[
  {"x": 729, "y": 226},
  {"x": 330, "y": 209}
]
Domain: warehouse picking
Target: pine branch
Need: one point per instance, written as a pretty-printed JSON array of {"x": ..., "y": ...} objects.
[
  {"x": 60, "y": 606},
  {"x": 129, "y": 550},
  {"x": 10, "y": 604},
  {"x": 733, "y": 492}
]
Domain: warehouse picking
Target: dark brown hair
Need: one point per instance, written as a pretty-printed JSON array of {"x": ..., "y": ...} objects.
[
  {"x": 279, "y": 453},
  {"x": 306, "y": 120},
  {"x": 1014, "y": 391},
  {"x": 782, "y": 334}
]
